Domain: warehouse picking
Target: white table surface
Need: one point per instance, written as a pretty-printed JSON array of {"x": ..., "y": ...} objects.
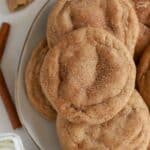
[{"x": 20, "y": 22}]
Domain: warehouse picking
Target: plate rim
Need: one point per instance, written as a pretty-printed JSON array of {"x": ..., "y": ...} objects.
[{"x": 18, "y": 70}]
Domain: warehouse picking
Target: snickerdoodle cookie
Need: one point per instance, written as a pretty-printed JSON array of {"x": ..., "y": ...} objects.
[
  {"x": 33, "y": 88},
  {"x": 128, "y": 130},
  {"x": 142, "y": 8},
  {"x": 116, "y": 16},
  {"x": 143, "y": 75},
  {"x": 143, "y": 41},
  {"x": 88, "y": 76}
]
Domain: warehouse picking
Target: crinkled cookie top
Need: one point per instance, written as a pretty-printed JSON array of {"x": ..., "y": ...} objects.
[
  {"x": 116, "y": 16},
  {"x": 88, "y": 76},
  {"x": 128, "y": 130},
  {"x": 143, "y": 75}
]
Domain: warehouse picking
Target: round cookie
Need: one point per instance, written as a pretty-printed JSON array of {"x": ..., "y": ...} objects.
[
  {"x": 116, "y": 16},
  {"x": 33, "y": 88},
  {"x": 143, "y": 75},
  {"x": 142, "y": 8},
  {"x": 128, "y": 130},
  {"x": 143, "y": 41},
  {"x": 88, "y": 76}
]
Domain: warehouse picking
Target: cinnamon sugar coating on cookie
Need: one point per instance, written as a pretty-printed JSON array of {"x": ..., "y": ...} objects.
[
  {"x": 32, "y": 80},
  {"x": 116, "y": 16},
  {"x": 128, "y": 130},
  {"x": 142, "y": 8},
  {"x": 88, "y": 76},
  {"x": 143, "y": 41},
  {"x": 143, "y": 75}
]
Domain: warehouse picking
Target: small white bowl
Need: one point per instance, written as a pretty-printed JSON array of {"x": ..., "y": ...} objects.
[{"x": 11, "y": 139}]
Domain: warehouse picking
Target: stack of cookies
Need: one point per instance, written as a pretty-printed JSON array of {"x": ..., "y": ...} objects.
[{"x": 83, "y": 74}]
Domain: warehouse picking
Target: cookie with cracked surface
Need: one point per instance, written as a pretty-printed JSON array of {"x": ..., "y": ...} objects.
[
  {"x": 143, "y": 41},
  {"x": 33, "y": 88},
  {"x": 116, "y": 16},
  {"x": 128, "y": 130},
  {"x": 143, "y": 75},
  {"x": 142, "y": 8},
  {"x": 88, "y": 76}
]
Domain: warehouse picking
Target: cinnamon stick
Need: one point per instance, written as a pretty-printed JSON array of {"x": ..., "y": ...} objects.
[
  {"x": 4, "y": 93},
  {"x": 4, "y": 32},
  {"x": 9, "y": 105}
]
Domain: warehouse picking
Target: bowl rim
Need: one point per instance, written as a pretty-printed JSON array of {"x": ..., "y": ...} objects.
[{"x": 16, "y": 139}]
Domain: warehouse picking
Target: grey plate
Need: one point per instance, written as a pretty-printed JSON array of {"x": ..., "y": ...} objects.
[{"x": 42, "y": 132}]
